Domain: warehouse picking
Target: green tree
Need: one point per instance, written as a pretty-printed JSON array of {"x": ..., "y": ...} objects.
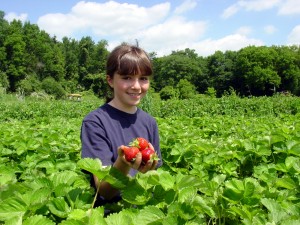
[
  {"x": 15, "y": 66},
  {"x": 70, "y": 49},
  {"x": 3, "y": 33},
  {"x": 288, "y": 68},
  {"x": 169, "y": 70},
  {"x": 186, "y": 89},
  {"x": 86, "y": 49},
  {"x": 54, "y": 62},
  {"x": 99, "y": 55},
  {"x": 33, "y": 49},
  {"x": 221, "y": 70},
  {"x": 256, "y": 72}
]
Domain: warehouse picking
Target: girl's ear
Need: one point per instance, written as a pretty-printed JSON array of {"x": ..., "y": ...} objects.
[{"x": 109, "y": 81}]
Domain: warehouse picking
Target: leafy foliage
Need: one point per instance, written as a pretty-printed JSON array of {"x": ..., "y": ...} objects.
[{"x": 218, "y": 169}]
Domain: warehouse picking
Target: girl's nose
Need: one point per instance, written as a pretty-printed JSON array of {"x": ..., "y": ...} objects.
[{"x": 135, "y": 84}]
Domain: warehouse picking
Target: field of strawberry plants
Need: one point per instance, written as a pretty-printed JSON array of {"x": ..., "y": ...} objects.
[{"x": 226, "y": 161}]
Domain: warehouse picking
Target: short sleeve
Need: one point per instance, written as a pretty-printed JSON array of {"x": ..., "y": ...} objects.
[{"x": 94, "y": 142}]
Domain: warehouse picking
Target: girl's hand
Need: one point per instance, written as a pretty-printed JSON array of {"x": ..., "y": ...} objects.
[
  {"x": 150, "y": 165},
  {"x": 137, "y": 164}
]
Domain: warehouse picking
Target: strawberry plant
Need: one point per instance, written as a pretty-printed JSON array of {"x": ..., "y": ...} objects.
[{"x": 222, "y": 167}]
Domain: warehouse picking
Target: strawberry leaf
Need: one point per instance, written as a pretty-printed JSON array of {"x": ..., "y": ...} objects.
[
  {"x": 38, "y": 220},
  {"x": 149, "y": 215},
  {"x": 116, "y": 178},
  {"x": 93, "y": 166},
  {"x": 135, "y": 193},
  {"x": 12, "y": 207}
]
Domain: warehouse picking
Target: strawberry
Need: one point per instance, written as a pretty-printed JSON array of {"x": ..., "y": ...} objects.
[
  {"x": 148, "y": 154},
  {"x": 130, "y": 153},
  {"x": 140, "y": 143}
]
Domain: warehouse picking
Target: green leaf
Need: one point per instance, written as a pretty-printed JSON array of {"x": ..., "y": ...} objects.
[
  {"x": 37, "y": 198},
  {"x": 135, "y": 194},
  {"x": 96, "y": 216},
  {"x": 7, "y": 175},
  {"x": 166, "y": 180},
  {"x": 38, "y": 220},
  {"x": 276, "y": 213},
  {"x": 59, "y": 207},
  {"x": 64, "y": 177},
  {"x": 184, "y": 181},
  {"x": 201, "y": 205},
  {"x": 149, "y": 215},
  {"x": 77, "y": 214},
  {"x": 249, "y": 189},
  {"x": 183, "y": 210},
  {"x": 234, "y": 190},
  {"x": 73, "y": 222},
  {"x": 12, "y": 207},
  {"x": 149, "y": 179},
  {"x": 187, "y": 194},
  {"x": 15, "y": 220},
  {"x": 242, "y": 211},
  {"x": 66, "y": 165},
  {"x": 116, "y": 178},
  {"x": 292, "y": 162},
  {"x": 125, "y": 217},
  {"x": 93, "y": 166},
  {"x": 294, "y": 148},
  {"x": 286, "y": 182},
  {"x": 291, "y": 222}
]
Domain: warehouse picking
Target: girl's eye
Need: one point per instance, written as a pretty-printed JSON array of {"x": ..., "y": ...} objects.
[
  {"x": 126, "y": 78},
  {"x": 144, "y": 78}
]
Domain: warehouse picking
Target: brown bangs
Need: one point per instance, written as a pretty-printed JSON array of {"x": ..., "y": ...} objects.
[{"x": 134, "y": 62}]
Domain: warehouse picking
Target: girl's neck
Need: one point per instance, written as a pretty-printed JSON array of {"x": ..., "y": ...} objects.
[{"x": 127, "y": 109}]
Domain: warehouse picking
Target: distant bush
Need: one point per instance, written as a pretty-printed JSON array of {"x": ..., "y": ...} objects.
[
  {"x": 52, "y": 87},
  {"x": 168, "y": 92},
  {"x": 32, "y": 107}
]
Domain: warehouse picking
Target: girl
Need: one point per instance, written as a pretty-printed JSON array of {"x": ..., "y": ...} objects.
[{"x": 116, "y": 123}]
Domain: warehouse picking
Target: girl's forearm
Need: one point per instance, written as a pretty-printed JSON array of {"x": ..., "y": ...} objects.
[{"x": 105, "y": 189}]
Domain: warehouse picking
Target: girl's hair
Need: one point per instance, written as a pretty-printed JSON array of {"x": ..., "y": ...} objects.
[{"x": 127, "y": 59}]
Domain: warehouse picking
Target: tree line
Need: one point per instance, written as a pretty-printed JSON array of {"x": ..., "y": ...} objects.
[{"x": 31, "y": 61}]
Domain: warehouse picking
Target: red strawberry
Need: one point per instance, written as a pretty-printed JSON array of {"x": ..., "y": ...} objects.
[
  {"x": 140, "y": 143},
  {"x": 130, "y": 153},
  {"x": 148, "y": 154}
]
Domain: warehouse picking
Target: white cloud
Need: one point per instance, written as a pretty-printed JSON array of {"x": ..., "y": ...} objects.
[
  {"x": 232, "y": 42},
  {"x": 258, "y": 5},
  {"x": 289, "y": 7},
  {"x": 185, "y": 6},
  {"x": 230, "y": 11},
  {"x": 294, "y": 36},
  {"x": 156, "y": 28},
  {"x": 245, "y": 30},
  {"x": 270, "y": 29},
  {"x": 165, "y": 37},
  {"x": 250, "y": 5},
  {"x": 107, "y": 19},
  {"x": 11, "y": 16}
]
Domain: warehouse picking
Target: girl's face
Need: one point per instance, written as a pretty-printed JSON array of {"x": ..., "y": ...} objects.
[{"x": 128, "y": 90}]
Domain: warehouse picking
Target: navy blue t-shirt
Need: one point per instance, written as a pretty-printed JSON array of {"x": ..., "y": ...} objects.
[{"x": 106, "y": 128}]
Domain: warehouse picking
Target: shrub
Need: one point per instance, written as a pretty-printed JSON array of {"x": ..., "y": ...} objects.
[
  {"x": 186, "y": 89},
  {"x": 52, "y": 87},
  {"x": 168, "y": 92}
]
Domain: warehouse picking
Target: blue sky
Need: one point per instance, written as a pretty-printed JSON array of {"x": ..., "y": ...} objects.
[{"x": 163, "y": 26}]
